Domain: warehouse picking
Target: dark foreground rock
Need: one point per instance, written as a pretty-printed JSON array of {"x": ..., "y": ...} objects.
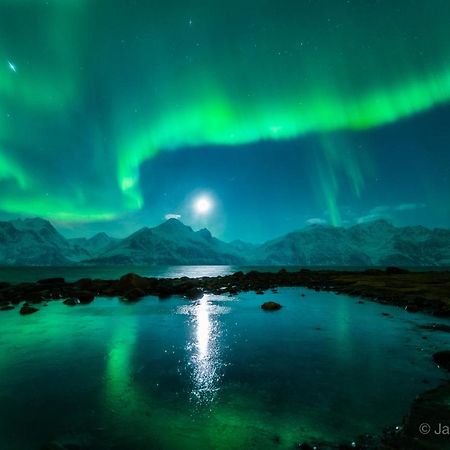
[
  {"x": 71, "y": 301},
  {"x": 271, "y": 306},
  {"x": 442, "y": 359},
  {"x": 28, "y": 309}
]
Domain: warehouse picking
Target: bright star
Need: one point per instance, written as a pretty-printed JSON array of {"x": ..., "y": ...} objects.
[{"x": 12, "y": 66}]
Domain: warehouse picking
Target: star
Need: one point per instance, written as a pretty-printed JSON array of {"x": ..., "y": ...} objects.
[{"x": 12, "y": 66}]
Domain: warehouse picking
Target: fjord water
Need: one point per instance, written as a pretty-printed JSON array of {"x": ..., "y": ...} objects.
[
  {"x": 17, "y": 274},
  {"x": 217, "y": 373}
]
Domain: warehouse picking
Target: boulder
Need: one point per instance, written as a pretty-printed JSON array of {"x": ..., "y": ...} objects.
[
  {"x": 131, "y": 280},
  {"x": 271, "y": 306},
  {"x": 71, "y": 301},
  {"x": 84, "y": 297},
  {"x": 84, "y": 283},
  {"x": 28, "y": 309},
  {"x": 442, "y": 359},
  {"x": 134, "y": 294},
  {"x": 194, "y": 293}
]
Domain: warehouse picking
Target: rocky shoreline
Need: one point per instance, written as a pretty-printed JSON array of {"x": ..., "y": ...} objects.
[{"x": 427, "y": 292}]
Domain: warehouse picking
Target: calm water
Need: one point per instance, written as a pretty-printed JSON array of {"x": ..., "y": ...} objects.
[
  {"x": 218, "y": 373},
  {"x": 21, "y": 274}
]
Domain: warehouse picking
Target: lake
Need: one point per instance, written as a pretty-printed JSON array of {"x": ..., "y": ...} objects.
[{"x": 217, "y": 373}]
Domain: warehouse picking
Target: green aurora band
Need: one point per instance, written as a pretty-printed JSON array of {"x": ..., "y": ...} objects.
[{"x": 96, "y": 91}]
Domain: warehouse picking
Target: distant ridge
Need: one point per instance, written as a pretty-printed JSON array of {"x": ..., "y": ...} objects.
[{"x": 35, "y": 242}]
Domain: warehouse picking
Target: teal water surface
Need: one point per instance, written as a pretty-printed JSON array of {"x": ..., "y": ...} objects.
[{"x": 217, "y": 373}]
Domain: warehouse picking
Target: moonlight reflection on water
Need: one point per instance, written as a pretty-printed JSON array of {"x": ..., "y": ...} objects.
[{"x": 206, "y": 355}]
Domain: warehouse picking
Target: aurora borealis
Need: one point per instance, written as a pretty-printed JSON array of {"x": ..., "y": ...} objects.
[{"x": 117, "y": 112}]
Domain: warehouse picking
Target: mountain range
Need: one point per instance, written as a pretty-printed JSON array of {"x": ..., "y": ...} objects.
[{"x": 36, "y": 242}]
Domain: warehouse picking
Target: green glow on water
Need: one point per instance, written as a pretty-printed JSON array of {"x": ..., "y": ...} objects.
[{"x": 217, "y": 373}]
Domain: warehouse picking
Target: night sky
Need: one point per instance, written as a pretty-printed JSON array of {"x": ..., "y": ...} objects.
[{"x": 277, "y": 114}]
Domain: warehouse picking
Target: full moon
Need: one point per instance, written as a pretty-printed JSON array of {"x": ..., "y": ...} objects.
[{"x": 203, "y": 205}]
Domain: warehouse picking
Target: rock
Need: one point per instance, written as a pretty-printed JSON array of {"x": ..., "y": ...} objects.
[
  {"x": 84, "y": 283},
  {"x": 164, "y": 292},
  {"x": 271, "y": 306},
  {"x": 442, "y": 359},
  {"x": 259, "y": 292},
  {"x": 194, "y": 293},
  {"x": 134, "y": 294},
  {"x": 131, "y": 280},
  {"x": 71, "y": 301},
  {"x": 412, "y": 308},
  {"x": 305, "y": 446},
  {"x": 433, "y": 408},
  {"x": 6, "y": 307},
  {"x": 28, "y": 309},
  {"x": 84, "y": 297}
]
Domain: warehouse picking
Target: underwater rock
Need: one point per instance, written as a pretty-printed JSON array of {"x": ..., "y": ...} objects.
[
  {"x": 442, "y": 359},
  {"x": 28, "y": 309},
  {"x": 271, "y": 306}
]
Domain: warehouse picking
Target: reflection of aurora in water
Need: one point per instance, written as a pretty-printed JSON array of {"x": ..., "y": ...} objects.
[
  {"x": 204, "y": 348},
  {"x": 217, "y": 373}
]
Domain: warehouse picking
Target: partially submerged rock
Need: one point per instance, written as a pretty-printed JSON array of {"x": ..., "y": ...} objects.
[
  {"x": 28, "y": 309},
  {"x": 134, "y": 294},
  {"x": 194, "y": 294},
  {"x": 271, "y": 306},
  {"x": 84, "y": 297},
  {"x": 71, "y": 301}
]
